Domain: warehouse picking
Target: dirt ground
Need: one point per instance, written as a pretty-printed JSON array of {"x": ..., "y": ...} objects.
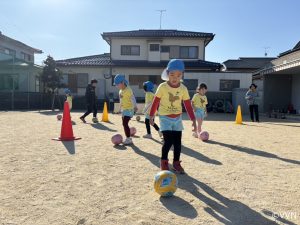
[{"x": 246, "y": 174}]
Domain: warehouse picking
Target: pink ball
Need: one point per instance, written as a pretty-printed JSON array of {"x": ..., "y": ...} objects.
[
  {"x": 59, "y": 117},
  {"x": 132, "y": 131},
  {"x": 117, "y": 139},
  {"x": 204, "y": 136}
]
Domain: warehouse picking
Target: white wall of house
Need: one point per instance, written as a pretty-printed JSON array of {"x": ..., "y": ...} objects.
[
  {"x": 93, "y": 73},
  {"x": 145, "y": 54},
  {"x": 131, "y": 71},
  {"x": 296, "y": 92},
  {"x": 212, "y": 79},
  {"x": 116, "y": 49}
]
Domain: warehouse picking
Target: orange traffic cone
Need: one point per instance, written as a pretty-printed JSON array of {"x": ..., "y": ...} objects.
[
  {"x": 105, "y": 113},
  {"x": 239, "y": 118},
  {"x": 66, "y": 133}
]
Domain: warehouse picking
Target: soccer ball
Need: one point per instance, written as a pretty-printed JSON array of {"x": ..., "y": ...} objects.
[
  {"x": 204, "y": 136},
  {"x": 117, "y": 139},
  {"x": 165, "y": 183},
  {"x": 132, "y": 131},
  {"x": 59, "y": 117}
]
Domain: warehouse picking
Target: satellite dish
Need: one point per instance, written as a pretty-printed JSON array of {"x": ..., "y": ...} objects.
[{"x": 107, "y": 76}]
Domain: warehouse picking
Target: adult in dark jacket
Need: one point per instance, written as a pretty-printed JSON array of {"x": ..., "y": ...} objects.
[
  {"x": 252, "y": 98},
  {"x": 91, "y": 101}
]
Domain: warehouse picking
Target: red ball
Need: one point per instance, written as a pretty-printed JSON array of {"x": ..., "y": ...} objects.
[
  {"x": 204, "y": 136},
  {"x": 132, "y": 131},
  {"x": 117, "y": 139}
]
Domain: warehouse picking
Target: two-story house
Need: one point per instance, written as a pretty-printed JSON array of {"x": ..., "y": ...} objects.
[
  {"x": 142, "y": 55},
  {"x": 17, "y": 69}
]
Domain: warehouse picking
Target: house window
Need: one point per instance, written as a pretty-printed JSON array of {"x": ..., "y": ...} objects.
[
  {"x": 65, "y": 79},
  {"x": 191, "y": 84},
  {"x": 9, "y": 51},
  {"x": 187, "y": 52},
  {"x": 154, "y": 47},
  {"x": 130, "y": 50},
  {"x": 75, "y": 81},
  {"x": 228, "y": 85},
  {"x": 82, "y": 80},
  {"x": 9, "y": 82},
  {"x": 164, "y": 48},
  {"x": 138, "y": 80},
  {"x": 174, "y": 52},
  {"x": 26, "y": 57}
]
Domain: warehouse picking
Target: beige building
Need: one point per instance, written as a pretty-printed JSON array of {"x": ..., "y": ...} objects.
[{"x": 142, "y": 55}]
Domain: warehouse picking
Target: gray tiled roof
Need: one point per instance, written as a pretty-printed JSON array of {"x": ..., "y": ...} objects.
[
  {"x": 247, "y": 62},
  {"x": 92, "y": 60},
  {"x": 296, "y": 48},
  {"x": 103, "y": 60},
  {"x": 158, "y": 34}
]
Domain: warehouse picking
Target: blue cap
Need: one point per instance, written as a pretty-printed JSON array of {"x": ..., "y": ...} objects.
[
  {"x": 67, "y": 91},
  {"x": 120, "y": 78},
  {"x": 175, "y": 64},
  {"x": 149, "y": 86}
]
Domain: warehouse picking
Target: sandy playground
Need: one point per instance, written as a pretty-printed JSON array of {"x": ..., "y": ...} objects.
[{"x": 245, "y": 175}]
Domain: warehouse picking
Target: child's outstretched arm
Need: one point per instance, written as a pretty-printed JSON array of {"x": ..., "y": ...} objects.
[
  {"x": 133, "y": 100},
  {"x": 189, "y": 109},
  {"x": 153, "y": 109}
]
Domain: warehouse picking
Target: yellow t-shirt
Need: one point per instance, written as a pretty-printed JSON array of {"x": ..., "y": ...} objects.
[
  {"x": 171, "y": 98},
  {"x": 126, "y": 98},
  {"x": 148, "y": 100},
  {"x": 69, "y": 100},
  {"x": 199, "y": 101}
]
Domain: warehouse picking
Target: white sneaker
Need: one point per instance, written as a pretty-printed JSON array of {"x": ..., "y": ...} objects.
[
  {"x": 160, "y": 134},
  {"x": 147, "y": 136},
  {"x": 128, "y": 141},
  {"x": 195, "y": 135}
]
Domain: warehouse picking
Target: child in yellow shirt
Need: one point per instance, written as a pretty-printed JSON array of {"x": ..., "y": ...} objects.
[
  {"x": 149, "y": 96},
  {"x": 127, "y": 104},
  {"x": 199, "y": 102},
  {"x": 69, "y": 98},
  {"x": 169, "y": 97}
]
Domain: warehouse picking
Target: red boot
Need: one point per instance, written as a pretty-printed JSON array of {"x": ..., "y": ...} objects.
[
  {"x": 177, "y": 167},
  {"x": 164, "y": 164}
]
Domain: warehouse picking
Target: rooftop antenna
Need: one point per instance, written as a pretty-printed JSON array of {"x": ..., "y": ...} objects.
[
  {"x": 161, "y": 12},
  {"x": 266, "y": 52}
]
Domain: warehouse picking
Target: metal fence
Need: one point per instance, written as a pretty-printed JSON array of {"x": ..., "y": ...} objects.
[{"x": 39, "y": 101}]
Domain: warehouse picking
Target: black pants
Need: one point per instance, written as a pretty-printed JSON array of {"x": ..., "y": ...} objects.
[
  {"x": 125, "y": 121},
  {"x": 171, "y": 138},
  {"x": 254, "y": 109},
  {"x": 147, "y": 122},
  {"x": 91, "y": 108}
]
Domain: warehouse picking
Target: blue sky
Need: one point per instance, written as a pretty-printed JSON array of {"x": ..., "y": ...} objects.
[{"x": 72, "y": 28}]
